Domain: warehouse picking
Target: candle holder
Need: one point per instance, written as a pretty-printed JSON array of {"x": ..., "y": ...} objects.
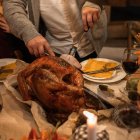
[{"x": 81, "y": 133}]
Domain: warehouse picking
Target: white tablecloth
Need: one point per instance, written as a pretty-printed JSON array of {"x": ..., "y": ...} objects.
[
  {"x": 17, "y": 118},
  {"x": 119, "y": 91}
]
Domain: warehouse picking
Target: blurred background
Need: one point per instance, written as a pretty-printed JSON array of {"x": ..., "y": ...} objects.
[{"x": 123, "y": 25}]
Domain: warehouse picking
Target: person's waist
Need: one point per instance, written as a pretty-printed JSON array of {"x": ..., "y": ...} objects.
[{"x": 64, "y": 45}]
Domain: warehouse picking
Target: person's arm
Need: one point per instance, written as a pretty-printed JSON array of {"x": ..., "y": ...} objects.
[
  {"x": 99, "y": 3},
  {"x": 17, "y": 18},
  {"x": 4, "y": 25},
  {"x": 94, "y": 16}
]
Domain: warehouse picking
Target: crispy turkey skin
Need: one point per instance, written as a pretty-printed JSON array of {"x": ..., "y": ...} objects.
[{"x": 54, "y": 83}]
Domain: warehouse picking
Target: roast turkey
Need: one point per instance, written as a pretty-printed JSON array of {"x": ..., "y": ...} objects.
[{"x": 57, "y": 85}]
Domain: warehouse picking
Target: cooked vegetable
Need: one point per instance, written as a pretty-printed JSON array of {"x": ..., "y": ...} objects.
[{"x": 105, "y": 88}]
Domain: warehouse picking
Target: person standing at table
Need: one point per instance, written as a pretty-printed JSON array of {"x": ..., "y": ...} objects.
[{"x": 56, "y": 25}]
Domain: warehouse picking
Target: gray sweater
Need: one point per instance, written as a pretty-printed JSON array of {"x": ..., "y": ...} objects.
[{"x": 18, "y": 13}]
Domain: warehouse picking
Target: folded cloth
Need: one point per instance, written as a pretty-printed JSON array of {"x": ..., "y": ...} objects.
[
  {"x": 81, "y": 134},
  {"x": 71, "y": 60}
]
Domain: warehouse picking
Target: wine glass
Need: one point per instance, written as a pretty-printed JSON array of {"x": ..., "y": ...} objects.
[{"x": 130, "y": 61}]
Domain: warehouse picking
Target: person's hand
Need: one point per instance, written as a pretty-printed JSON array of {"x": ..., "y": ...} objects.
[
  {"x": 89, "y": 16},
  {"x": 38, "y": 46},
  {"x": 4, "y": 25}
]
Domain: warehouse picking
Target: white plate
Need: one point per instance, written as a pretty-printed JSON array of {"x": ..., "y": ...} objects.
[
  {"x": 99, "y": 59},
  {"x": 6, "y": 61},
  {"x": 117, "y": 76}
]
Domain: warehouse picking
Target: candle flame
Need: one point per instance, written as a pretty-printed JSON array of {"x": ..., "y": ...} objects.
[{"x": 89, "y": 115}]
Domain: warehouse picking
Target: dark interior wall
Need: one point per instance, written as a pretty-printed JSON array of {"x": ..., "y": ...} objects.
[
  {"x": 122, "y": 3},
  {"x": 125, "y": 13},
  {"x": 133, "y": 3},
  {"x": 124, "y": 9}
]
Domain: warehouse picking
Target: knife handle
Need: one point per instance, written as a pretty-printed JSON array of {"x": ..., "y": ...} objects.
[{"x": 73, "y": 51}]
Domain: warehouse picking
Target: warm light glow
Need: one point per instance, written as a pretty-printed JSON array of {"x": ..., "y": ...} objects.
[
  {"x": 89, "y": 115},
  {"x": 91, "y": 125},
  {"x": 91, "y": 118}
]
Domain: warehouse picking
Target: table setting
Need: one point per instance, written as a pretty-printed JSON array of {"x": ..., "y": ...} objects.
[{"x": 99, "y": 116}]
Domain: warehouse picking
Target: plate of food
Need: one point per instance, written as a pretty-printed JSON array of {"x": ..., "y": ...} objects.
[
  {"x": 7, "y": 66},
  {"x": 96, "y": 64}
]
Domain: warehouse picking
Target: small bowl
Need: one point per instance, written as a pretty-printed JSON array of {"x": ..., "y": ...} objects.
[{"x": 127, "y": 116}]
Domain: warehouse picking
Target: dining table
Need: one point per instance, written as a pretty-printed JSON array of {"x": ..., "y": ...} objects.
[{"x": 18, "y": 117}]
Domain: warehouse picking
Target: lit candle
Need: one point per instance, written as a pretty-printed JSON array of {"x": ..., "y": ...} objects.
[{"x": 91, "y": 125}]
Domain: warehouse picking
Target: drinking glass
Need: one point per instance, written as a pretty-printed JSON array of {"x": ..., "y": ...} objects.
[{"x": 130, "y": 61}]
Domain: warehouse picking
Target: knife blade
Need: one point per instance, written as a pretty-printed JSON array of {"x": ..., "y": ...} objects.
[{"x": 102, "y": 70}]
